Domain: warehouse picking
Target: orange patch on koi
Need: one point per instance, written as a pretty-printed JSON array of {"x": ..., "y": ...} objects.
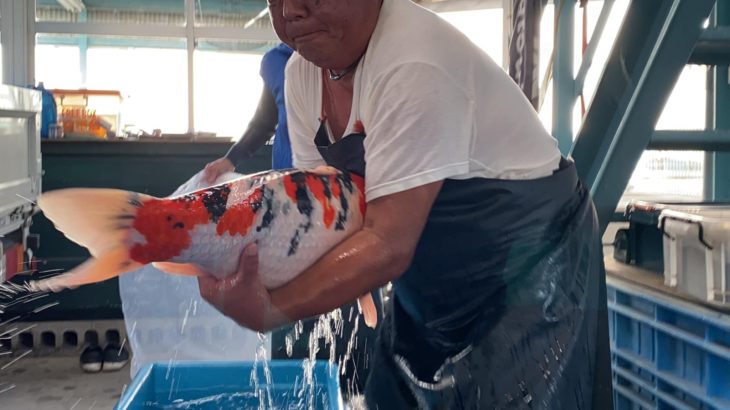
[
  {"x": 166, "y": 226},
  {"x": 316, "y": 185},
  {"x": 238, "y": 219},
  {"x": 291, "y": 188}
]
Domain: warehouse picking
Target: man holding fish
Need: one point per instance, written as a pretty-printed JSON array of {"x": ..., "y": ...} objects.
[
  {"x": 428, "y": 168},
  {"x": 489, "y": 238}
]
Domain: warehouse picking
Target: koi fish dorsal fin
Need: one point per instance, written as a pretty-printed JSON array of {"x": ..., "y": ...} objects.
[
  {"x": 98, "y": 219},
  {"x": 112, "y": 263},
  {"x": 183, "y": 269},
  {"x": 369, "y": 311}
]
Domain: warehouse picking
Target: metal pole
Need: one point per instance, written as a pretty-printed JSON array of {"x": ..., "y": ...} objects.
[
  {"x": 190, "y": 38},
  {"x": 563, "y": 79},
  {"x": 721, "y": 160},
  {"x": 18, "y": 41}
]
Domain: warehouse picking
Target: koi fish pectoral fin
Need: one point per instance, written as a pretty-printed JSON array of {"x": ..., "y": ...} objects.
[
  {"x": 182, "y": 269},
  {"x": 369, "y": 311},
  {"x": 107, "y": 265}
]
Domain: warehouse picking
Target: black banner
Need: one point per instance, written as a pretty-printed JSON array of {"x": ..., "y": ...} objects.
[{"x": 524, "y": 47}]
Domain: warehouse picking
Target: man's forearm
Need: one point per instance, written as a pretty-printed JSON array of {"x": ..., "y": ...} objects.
[
  {"x": 259, "y": 130},
  {"x": 361, "y": 263}
]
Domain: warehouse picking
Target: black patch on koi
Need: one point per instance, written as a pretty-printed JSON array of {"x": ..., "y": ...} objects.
[
  {"x": 179, "y": 225},
  {"x": 169, "y": 218},
  {"x": 268, "y": 203},
  {"x": 304, "y": 204},
  {"x": 134, "y": 200},
  {"x": 294, "y": 244},
  {"x": 344, "y": 204},
  {"x": 257, "y": 204},
  {"x": 326, "y": 184},
  {"x": 123, "y": 217},
  {"x": 215, "y": 200},
  {"x": 345, "y": 181}
]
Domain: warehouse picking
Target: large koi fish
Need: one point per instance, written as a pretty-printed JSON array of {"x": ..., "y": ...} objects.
[{"x": 295, "y": 216}]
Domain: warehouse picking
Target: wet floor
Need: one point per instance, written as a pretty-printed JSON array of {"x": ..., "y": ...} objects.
[{"x": 53, "y": 383}]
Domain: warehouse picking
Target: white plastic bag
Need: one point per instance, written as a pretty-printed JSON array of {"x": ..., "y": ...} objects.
[{"x": 167, "y": 320}]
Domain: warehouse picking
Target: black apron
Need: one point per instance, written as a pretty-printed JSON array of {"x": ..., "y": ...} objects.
[{"x": 504, "y": 304}]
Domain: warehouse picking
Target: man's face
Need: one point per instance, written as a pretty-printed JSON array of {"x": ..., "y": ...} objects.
[{"x": 329, "y": 33}]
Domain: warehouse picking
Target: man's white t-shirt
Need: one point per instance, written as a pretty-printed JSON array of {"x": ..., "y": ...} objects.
[{"x": 433, "y": 105}]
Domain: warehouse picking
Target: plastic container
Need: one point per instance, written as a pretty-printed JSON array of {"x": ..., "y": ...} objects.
[
  {"x": 230, "y": 385},
  {"x": 90, "y": 113},
  {"x": 666, "y": 353},
  {"x": 49, "y": 114},
  {"x": 641, "y": 244},
  {"x": 697, "y": 252}
]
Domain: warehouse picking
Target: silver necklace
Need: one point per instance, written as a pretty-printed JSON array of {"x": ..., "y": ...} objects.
[{"x": 336, "y": 76}]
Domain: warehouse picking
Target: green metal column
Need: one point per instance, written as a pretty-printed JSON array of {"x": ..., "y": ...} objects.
[
  {"x": 653, "y": 46},
  {"x": 563, "y": 75},
  {"x": 708, "y": 187},
  {"x": 721, "y": 160}
]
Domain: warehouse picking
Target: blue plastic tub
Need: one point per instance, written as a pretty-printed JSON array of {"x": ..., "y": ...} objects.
[
  {"x": 667, "y": 353},
  {"x": 229, "y": 385}
]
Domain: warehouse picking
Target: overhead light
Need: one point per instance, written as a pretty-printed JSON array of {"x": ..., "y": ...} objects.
[
  {"x": 261, "y": 15},
  {"x": 74, "y": 6}
]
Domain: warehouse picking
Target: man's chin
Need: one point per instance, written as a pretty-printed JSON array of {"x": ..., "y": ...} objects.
[{"x": 314, "y": 56}]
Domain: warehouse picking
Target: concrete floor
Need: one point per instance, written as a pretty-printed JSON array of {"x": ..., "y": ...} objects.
[{"x": 53, "y": 383}]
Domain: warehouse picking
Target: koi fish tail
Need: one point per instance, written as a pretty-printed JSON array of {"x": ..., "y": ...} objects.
[{"x": 101, "y": 221}]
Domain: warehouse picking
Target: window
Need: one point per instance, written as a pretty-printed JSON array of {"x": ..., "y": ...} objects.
[
  {"x": 227, "y": 86},
  {"x": 483, "y": 27},
  {"x": 57, "y": 62},
  {"x": 152, "y": 81},
  {"x": 163, "y": 13},
  {"x": 231, "y": 14}
]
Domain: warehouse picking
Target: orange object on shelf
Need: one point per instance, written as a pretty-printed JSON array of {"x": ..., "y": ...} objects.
[
  {"x": 81, "y": 121},
  {"x": 90, "y": 113}
]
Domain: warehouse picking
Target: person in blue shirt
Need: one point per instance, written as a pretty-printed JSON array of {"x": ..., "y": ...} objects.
[{"x": 269, "y": 119}]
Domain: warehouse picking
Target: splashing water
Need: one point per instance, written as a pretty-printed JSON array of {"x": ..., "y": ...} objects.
[
  {"x": 75, "y": 404},
  {"x": 264, "y": 395},
  {"x": 289, "y": 341},
  {"x": 12, "y": 362},
  {"x": 5, "y": 389}
]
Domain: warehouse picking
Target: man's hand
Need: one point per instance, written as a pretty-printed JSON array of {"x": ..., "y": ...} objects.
[
  {"x": 217, "y": 168},
  {"x": 325, "y": 170},
  {"x": 241, "y": 296}
]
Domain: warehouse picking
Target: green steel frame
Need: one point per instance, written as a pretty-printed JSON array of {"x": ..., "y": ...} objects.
[
  {"x": 652, "y": 47},
  {"x": 718, "y": 166}
]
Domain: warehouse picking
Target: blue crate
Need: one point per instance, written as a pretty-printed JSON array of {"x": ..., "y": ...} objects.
[
  {"x": 228, "y": 385},
  {"x": 667, "y": 353}
]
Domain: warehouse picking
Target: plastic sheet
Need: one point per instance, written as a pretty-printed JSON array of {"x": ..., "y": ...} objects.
[{"x": 167, "y": 320}]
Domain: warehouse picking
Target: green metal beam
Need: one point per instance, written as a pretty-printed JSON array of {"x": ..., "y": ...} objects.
[
  {"x": 652, "y": 47},
  {"x": 721, "y": 160},
  {"x": 564, "y": 95},
  {"x": 590, "y": 52},
  {"x": 713, "y": 47},
  {"x": 691, "y": 140}
]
